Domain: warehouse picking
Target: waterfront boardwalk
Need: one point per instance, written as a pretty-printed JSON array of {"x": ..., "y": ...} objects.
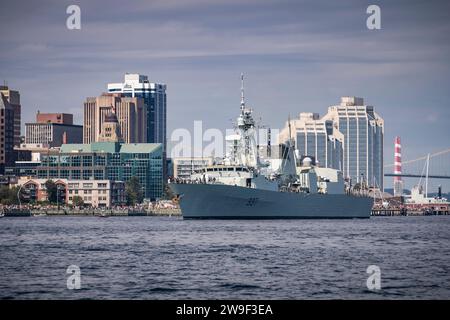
[{"x": 92, "y": 212}]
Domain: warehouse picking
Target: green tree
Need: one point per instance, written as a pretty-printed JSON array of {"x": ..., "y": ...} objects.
[
  {"x": 52, "y": 190},
  {"x": 8, "y": 195},
  {"x": 77, "y": 201},
  {"x": 133, "y": 191},
  {"x": 4, "y": 194},
  {"x": 13, "y": 192}
]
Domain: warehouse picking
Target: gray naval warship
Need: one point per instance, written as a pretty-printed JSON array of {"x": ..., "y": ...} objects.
[{"x": 243, "y": 186}]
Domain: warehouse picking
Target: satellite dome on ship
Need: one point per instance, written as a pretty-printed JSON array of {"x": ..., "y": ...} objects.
[{"x": 307, "y": 161}]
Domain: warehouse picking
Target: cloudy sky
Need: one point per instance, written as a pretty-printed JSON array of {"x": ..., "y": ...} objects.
[{"x": 297, "y": 55}]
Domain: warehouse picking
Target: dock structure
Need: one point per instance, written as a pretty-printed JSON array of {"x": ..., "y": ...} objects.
[
  {"x": 388, "y": 212},
  {"x": 415, "y": 205},
  {"x": 411, "y": 210}
]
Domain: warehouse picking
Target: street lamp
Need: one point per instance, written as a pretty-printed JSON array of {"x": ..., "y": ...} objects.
[
  {"x": 18, "y": 196},
  {"x": 57, "y": 194}
]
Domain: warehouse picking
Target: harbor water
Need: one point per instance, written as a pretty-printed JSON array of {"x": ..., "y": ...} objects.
[{"x": 172, "y": 258}]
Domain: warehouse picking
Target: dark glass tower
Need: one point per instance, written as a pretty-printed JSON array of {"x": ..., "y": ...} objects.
[{"x": 154, "y": 95}]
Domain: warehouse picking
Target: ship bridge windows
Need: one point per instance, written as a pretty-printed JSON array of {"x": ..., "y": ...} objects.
[{"x": 222, "y": 169}]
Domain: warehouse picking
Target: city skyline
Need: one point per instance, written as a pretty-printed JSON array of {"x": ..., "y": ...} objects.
[
  {"x": 231, "y": 157},
  {"x": 297, "y": 57}
]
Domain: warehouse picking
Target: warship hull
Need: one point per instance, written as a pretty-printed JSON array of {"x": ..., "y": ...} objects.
[{"x": 216, "y": 201}]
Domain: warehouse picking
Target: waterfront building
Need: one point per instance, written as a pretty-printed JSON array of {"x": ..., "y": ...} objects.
[
  {"x": 363, "y": 131},
  {"x": 131, "y": 113},
  {"x": 6, "y": 133},
  {"x": 13, "y": 98},
  {"x": 183, "y": 167},
  {"x": 33, "y": 190},
  {"x": 95, "y": 193},
  {"x": 316, "y": 138},
  {"x": 53, "y": 129},
  {"x": 107, "y": 161},
  {"x": 154, "y": 95}
]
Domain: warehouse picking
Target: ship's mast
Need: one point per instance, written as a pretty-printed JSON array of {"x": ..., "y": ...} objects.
[
  {"x": 246, "y": 125},
  {"x": 290, "y": 134},
  {"x": 242, "y": 93}
]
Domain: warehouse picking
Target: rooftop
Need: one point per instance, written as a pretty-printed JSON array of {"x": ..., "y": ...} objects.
[{"x": 111, "y": 147}]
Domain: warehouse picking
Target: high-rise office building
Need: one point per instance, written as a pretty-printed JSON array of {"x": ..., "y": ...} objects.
[
  {"x": 13, "y": 98},
  {"x": 363, "y": 131},
  {"x": 154, "y": 95},
  {"x": 6, "y": 133},
  {"x": 53, "y": 129},
  {"x": 348, "y": 138},
  {"x": 131, "y": 113},
  {"x": 315, "y": 138}
]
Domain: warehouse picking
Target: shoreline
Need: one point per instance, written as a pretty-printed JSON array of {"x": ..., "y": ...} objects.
[
  {"x": 93, "y": 213},
  {"x": 165, "y": 213}
]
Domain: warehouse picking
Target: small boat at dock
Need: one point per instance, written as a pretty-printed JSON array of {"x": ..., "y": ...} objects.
[{"x": 40, "y": 215}]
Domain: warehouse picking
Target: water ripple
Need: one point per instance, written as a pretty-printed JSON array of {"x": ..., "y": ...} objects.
[{"x": 171, "y": 258}]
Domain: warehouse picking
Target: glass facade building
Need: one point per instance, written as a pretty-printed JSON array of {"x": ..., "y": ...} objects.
[
  {"x": 363, "y": 132},
  {"x": 154, "y": 95},
  {"x": 317, "y": 139},
  {"x": 349, "y": 138},
  {"x": 107, "y": 161}
]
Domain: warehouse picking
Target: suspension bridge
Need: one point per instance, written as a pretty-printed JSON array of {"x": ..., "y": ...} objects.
[{"x": 437, "y": 165}]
